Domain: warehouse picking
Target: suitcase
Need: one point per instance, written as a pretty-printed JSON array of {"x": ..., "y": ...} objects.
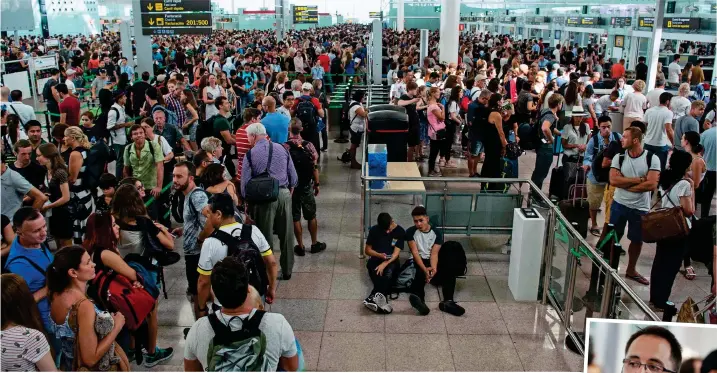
[
  {"x": 576, "y": 208},
  {"x": 509, "y": 170},
  {"x": 557, "y": 181}
]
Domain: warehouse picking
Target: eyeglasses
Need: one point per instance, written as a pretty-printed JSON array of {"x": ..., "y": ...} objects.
[{"x": 634, "y": 365}]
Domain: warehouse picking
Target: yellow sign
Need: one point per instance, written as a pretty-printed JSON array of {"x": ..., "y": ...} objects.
[
  {"x": 159, "y": 6},
  {"x": 160, "y": 21}
]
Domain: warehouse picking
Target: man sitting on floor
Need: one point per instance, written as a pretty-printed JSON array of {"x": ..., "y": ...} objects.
[{"x": 384, "y": 243}]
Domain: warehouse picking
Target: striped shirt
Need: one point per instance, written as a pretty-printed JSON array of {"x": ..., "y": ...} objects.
[
  {"x": 176, "y": 107},
  {"x": 243, "y": 146},
  {"x": 21, "y": 348}
]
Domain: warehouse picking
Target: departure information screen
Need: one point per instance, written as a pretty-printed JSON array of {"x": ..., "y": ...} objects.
[{"x": 306, "y": 14}]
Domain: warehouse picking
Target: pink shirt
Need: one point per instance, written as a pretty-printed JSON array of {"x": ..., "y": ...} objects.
[{"x": 435, "y": 124}]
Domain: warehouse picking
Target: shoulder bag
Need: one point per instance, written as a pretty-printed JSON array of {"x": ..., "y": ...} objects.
[{"x": 664, "y": 223}]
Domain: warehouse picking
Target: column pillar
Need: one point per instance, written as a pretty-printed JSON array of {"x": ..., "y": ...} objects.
[
  {"x": 126, "y": 43},
  {"x": 279, "y": 19},
  {"x": 423, "y": 46},
  {"x": 450, "y": 18},
  {"x": 143, "y": 43},
  {"x": 376, "y": 36},
  {"x": 653, "y": 54},
  {"x": 400, "y": 17}
]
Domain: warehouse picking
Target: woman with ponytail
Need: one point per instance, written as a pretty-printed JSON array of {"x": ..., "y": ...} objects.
[
  {"x": 75, "y": 317},
  {"x": 80, "y": 195},
  {"x": 698, "y": 169},
  {"x": 675, "y": 191}
]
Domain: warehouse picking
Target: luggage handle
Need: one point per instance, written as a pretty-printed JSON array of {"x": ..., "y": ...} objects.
[{"x": 575, "y": 186}]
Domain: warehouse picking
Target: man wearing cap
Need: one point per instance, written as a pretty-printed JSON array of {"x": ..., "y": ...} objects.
[
  {"x": 69, "y": 83},
  {"x": 309, "y": 119},
  {"x": 69, "y": 107}
]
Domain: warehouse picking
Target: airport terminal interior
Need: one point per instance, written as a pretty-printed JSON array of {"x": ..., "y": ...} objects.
[{"x": 431, "y": 185}]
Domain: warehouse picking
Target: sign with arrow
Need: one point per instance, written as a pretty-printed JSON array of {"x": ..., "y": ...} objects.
[
  {"x": 177, "y": 20},
  {"x": 163, "y": 6}
]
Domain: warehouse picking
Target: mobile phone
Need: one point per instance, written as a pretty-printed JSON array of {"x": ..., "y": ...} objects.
[{"x": 389, "y": 256}]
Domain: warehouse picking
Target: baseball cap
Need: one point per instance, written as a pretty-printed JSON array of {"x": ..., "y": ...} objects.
[{"x": 307, "y": 86}]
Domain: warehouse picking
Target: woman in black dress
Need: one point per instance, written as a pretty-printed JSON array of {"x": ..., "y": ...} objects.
[{"x": 58, "y": 188}]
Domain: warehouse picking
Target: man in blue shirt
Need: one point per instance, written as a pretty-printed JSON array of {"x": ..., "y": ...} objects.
[
  {"x": 709, "y": 142},
  {"x": 277, "y": 124},
  {"x": 595, "y": 188},
  {"x": 127, "y": 68},
  {"x": 30, "y": 257}
]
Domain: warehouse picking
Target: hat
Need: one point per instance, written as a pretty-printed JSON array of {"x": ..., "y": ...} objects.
[
  {"x": 578, "y": 111},
  {"x": 70, "y": 72},
  {"x": 307, "y": 86},
  {"x": 161, "y": 77},
  {"x": 118, "y": 94}
]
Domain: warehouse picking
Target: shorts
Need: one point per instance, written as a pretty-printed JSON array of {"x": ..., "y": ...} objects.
[
  {"x": 477, "y": 147},
  {"x": 414, "y": 136},
  {"x": 303, "y": 201},
  {"x": 595, "y": 195},
  {"x": 191, "y": 263},
  {"x": 608, "y": 196},
  {"x": 621, "y": 215},
  {"x": 355, "y": 137}
]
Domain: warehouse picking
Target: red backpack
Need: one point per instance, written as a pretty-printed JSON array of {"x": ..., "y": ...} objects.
[{"x": 115, "y": 293}]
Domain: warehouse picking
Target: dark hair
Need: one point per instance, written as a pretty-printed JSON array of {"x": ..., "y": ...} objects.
[
  {"x": 32, "y": 123},
  {"x": 18, "y": 305},
  {"x": 693, "y": 138},
  {"x": 230, "y": 282},
  {"x": 24, "y": 214},
  {"x": 213, "y": 175},
  {"x": 358, "y": 95},
  {"x": 107, "y": 180},
  {"x": 127, "y": 203},
  {"x": 494, "y": 85},
  {"x": 99, "y": 233},
  {"x": 660, "y": 332},
  {"x": 250, "y": 113},
  {"x": 59, "y": 130},
  {"x": 62, "y": 88},
  {"x": 200, "y": 156},
  {"x": 223, "y": 203},
  {"x": 419, "y": 211},
  {"x": 384, "y": 220},
  {"x": 145, "y": 76},
  {"x": 493, "y": 101},
  {"x": 16, "y": 95},
  {"x": 189, "y": 165},
  {"x": 287, "y": 94},
  {"x": 688, "y": 366},
  {"x": 136, "y": 127},
  {"x": 219, "y": 101},
  {"x": 526, "y": 85},
  {"x": 148, "y": 120},
  {"x": 679, "y": 163},
  {"x": 67, "y": 258},
  {"x": 665, "y": 98},
  {"x": 604, "y": 118},
  {"x": 455, "y": 95},
  {"x": 152, "y": 93},
  {"x": 639, "y": 124}
]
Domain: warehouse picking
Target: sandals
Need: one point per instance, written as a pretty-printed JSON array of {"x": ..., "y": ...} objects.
[
  {"x": 638, "y": 278},
  {"x": 595, "y": 231},
  {"x": 690, "y": 273}
]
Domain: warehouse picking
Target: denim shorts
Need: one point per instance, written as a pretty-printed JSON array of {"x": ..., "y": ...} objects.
[
  {"x": 476, "y": 148},
  {"x": 620, "y": 215}
]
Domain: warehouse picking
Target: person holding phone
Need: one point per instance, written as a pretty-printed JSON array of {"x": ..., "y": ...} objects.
[{"x": 383, "y": 245}]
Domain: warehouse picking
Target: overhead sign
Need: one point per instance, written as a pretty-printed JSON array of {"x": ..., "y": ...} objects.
[
  {"x": 673, "y": 23},
  {"x": 589, "y": 21},
  {"x": 375, "y": 14},
  {"x": 646, "y": 22},
  {"x": 177, "y": 20},
  {"x": 306, "y": 14},
  {"x": 163, "y": 6},
  {"x": 621, "y": 22},
  {"x": 572, "y": 21},
  {"x": 169, "y": 31},
  {"x": 713, "y": 8},
  {"x": 45, "y": 62}
]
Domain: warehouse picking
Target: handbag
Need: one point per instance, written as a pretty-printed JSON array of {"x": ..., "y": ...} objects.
[
  {"x": 690, "y": 313},
  {"x": 664, "y": 223},
  {"x": 262, "y": 188}
]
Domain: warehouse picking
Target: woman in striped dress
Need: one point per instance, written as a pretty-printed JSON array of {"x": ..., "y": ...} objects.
[{"x": 80, "y": 196}]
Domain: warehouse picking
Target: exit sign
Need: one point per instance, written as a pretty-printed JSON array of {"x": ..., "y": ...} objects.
[{"x": 437, "y": 9}]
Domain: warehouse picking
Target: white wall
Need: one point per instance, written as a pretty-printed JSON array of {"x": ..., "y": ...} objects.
[{"x": 73, "y": 17}]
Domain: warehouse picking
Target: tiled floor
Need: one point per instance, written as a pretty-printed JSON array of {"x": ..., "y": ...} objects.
[{"x": 322, "y": 301}]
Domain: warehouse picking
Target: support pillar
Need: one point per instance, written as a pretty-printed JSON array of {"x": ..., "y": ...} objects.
[
  {"x": 654, "y": 51},
  {"x": 423, "y": 47},
  {"x": 400, "y": 18},
  {"x": 450, "y": 18},
  {"x": 377, "y": 40},
  {"x": 143, "y": 43},
  {"x": 126, "y": 43},
  {"x": 279, "y": 19}
]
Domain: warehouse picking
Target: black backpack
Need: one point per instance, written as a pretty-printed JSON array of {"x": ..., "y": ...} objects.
[
  {"x": 97, "y": 158},
  {"x": 602, "y": 174},
  {"x": 530, "y": 134},
  {"x": 621, "y": 159},
  {"x": 453, "y": 258},
  {"x": 303, "y": 162},
  {"x": 205, "y": 129},
  {"x": 244, "y": 249},
  {"x": 306, "y": 113}
]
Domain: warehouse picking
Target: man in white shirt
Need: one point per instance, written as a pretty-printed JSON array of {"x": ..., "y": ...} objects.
[
  {"x": 659, "y": 135},
  {"x": 653, "y": 97},
  {"x": 116, "y": 124},
  {"x": 674, "y": 72},
  {"x": 556, "y": 53},
  {"x": 69, "y": 83},
  {"x": 398, "y": 89},
  {"x": 25, "y": 112}
]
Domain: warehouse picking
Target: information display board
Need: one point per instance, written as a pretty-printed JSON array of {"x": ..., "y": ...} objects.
[
  {"x": 572, "y": 21},
  {"x": 589, "y": 21},
  {"x": 375, "y": 14},
  {"x": 673, "y": 23},
  {"x": 163, "y": 6},
  {"x": 621, "y": 22},
  {"x": 305, "y": 14},
  {"x": 177, "y": 20}
]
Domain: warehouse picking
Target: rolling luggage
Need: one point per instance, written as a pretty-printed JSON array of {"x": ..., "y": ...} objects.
[
  {"x": 576, "y": 209},
  {"x": 557, "y": 177}
]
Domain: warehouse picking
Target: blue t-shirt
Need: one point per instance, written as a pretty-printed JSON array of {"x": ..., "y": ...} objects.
[
  {"x": 35, "y": 279},
  {"x": 277, "y": 127},
  {"x": 709, "y": 142}
]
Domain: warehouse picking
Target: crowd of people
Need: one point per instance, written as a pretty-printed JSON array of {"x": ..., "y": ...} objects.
[{"x": 221, "y": 143}]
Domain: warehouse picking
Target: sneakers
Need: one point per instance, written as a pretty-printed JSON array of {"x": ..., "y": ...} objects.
[
  {"x": 442, "y": 162},
  {"x": 419, "y": 305},
  {"x": 451, "y": 164},
  {"x": 299, "y": 251},
  {"x": 378, "y": 303},
  {"x": 435, "y": 174},
  {"x": 318, "y": 247},
  {"x": 160, "y": 355},
  {"x": 451, "y": 307},
  {"x": 437, "y": 168}
]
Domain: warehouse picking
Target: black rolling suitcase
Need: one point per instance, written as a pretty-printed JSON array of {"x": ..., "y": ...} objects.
[
  {"x": 576, "y": 208},
  {"x": 557, "y": 183}
]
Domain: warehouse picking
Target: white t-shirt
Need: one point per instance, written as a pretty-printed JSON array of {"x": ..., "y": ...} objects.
[
  {"x": 680, "y": 106},
  {"x": 214, "y": 250},
  {"x": 25, "y": 112},
  {"x": 655, "y": 119},
  {"x": 602, "y": 105},
  {"x": 572, "y": 135},
  {"x": 653, "y": 97},
  {"x": 119, "y": 136},
  {"x": 357, "y": 121},
  {"x": 212, "y": 94},
  {"x": 634, "y": 167},
  {"x": 280, "y": 340},
  {"x": 556, "y": 54},
  {"x": 70, "y": 85},
  {"x": 681, "y": 189},
  {"x": 634, "y": 105},
  {"x": 673, "y": 73}
]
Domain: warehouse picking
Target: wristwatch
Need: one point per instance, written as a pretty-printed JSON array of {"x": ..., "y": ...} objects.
[{"x": 642, "y": 179}]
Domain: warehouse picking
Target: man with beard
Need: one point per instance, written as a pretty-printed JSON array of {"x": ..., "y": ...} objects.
[
  {"x": 33, "y": 129},
  {"x": 195, "y": 198}
]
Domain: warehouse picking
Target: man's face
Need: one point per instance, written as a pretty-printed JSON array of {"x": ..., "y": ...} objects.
[
  {"x": 34, "y": 133},
  {"x": 605, "y": 129},
  {"x": 138, "y": 136},
  {"x": 420, "y": 222},
  {"x": 33, "y": 232},
  {"x": 697, "y": 112},
  {"x": 649, "y": 349},
  {"x": 23, "y": 156},
  {"x": 627, "y": 140},
  {"x": 226, "y": 106},
  {"x": 159, "y": 119},
  {"x": 289, "y": 102},
  {"x": 180, "y": 178}
]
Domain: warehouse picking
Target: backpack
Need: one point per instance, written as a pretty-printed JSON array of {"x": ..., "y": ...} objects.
[
  {"x": 621, "y": 159},
  {"x": 453, "y": 258},
  {"x": 237, "y": 351},
  {"x": 97, "y": 158},
  {"x": 467, "y": 99},
  {"x": 345, "y": 157},
  {"x": 403, "y": 279},
  {"x": 345, "y": 110},
  {"x": 530, "y": 134},
  {"x": 303, "y": 162},
  {"x": 115, "y": 293},
  {"x": 601, "y": 174},
  {"x": 205, "y": 129},
  {"x": 244, "y": 249},
  {"x": 306, "y": 113},
  {"x": 262, "y": 188}
]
